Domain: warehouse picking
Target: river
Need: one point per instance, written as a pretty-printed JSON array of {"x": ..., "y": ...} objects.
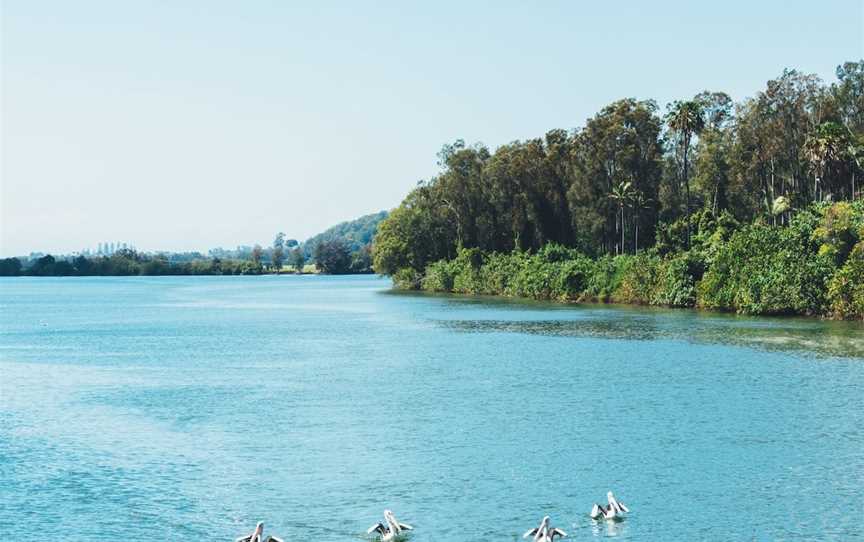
[{"x": 191, "y": 407}]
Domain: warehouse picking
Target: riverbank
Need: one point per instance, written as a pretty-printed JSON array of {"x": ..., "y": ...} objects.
[{"x": 814, "y": 266}]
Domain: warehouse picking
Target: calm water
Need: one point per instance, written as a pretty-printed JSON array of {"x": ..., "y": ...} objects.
[{"x": 160, "y": 408}]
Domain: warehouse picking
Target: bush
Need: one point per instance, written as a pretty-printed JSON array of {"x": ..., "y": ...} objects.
[
  {"x": 638, "y": 279},
  {"x": 768, "y": 270},
  {"x": 846, "y": 288},
  {"x": 439, "y": 277},
  {"x": 407, "y": 279},
  {"x": 677, "y": 279},
  {"x": 605, "y": 277}
]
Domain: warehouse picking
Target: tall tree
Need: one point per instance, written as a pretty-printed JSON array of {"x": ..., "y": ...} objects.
[
  {"x": 333, "y": 257},
  {"x": 298, "y": 259},
  {"x": 622, "y": 194},
  {"x": 278, "y": 251},
  {"x": 685, "y": 119},
  {"x": 257, "y": 252}
]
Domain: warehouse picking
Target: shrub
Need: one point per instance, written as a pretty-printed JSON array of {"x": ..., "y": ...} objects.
[
  {"x": 846, "y": 288},
  {"x": 676, "y": 281},
  {"x": 638, "y": 279},
  {"x": 768, "y": 270},
  {"x": 606, "y": 274}
]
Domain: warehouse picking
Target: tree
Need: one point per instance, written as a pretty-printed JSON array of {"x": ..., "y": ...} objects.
[
  {"x": 622, "y": 194},
  {"x": 298, "y": 259},
  {"x": 257, "y": 252},
  {"x": 620, "y": 142},
  {"x": 685, "y": 119},
  {"x": 10, "y": 267},
  {"x": 827, "y": 151},
  {"x": 278, "y": 251},
  {"x": 333, "y": 257},
  {"x": 639, "y": 202}
]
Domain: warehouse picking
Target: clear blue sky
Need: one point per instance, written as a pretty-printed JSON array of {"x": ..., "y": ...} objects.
[{"x": 193, "y": 124}]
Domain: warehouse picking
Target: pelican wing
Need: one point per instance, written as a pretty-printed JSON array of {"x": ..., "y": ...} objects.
[
  {"x": 596, "y": 511},
  {"x": 623, "y": 507},
  {"x": 377, "y": 527},
  {"x": 558, "y": 532},
  {"x": 247, "y": 538},
  {"x": 274, "y": 539},
  {"x": 406, "y": 526},
  {"x": 532, "y": 532}
]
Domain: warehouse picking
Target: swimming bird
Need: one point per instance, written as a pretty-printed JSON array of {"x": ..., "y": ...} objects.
[
  {"x": 543, "y": 532},
  {"x": 390, "y": 529},
  {"x": 258, "y": 535},
  {"x": 615, "y": 510}
]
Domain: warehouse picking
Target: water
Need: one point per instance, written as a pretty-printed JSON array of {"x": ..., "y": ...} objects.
[{"x": 160, "y": 408}]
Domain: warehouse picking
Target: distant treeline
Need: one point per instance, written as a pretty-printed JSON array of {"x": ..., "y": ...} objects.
[
  {"x": 733, "y": 199},
  {"x": 342, "y": 249},
  {"x": 124, "y": 263}
]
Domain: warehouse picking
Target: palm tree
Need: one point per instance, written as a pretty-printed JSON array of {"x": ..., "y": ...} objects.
[
  {"x": 621, "y": 194},
  {"x": 780, "y": 206},
  {"x": 686, "y": 119}
]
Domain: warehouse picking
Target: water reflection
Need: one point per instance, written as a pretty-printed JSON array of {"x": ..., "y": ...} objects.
[{"x": 821, "y": 338}]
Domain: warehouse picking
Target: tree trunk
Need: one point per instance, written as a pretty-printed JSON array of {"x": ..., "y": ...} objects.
[
  {"x": 622, "y": 229},
  {"x": 687, "y": 186}
]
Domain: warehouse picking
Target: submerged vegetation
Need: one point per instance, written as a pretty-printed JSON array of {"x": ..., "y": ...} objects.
[{"x": 752, "y": 207}]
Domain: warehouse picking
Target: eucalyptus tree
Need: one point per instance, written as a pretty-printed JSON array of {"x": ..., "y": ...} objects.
[
  {"x": 685, "y": 119},
  {"x": 827, "y": 151},
  {"x": 848, "y": 94},
  {"x": 621, "y": 142}
]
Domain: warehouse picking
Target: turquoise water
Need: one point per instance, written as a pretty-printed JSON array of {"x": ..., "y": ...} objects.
[{"x": 159, "y": 408}]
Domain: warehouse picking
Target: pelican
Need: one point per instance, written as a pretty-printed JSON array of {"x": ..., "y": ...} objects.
[
  {"x": 543, "y": 532},
  {"x": 615, "y": 510},
  {"x": 258, "y": 535},
  {"x": 390, "y": 529}
]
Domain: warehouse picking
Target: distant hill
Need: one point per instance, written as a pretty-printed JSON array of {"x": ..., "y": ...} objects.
[{"x": 356, "y": 233}]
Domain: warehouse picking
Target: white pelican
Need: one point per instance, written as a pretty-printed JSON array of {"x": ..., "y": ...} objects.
[
  {"x": 615, "y": 510},
  {"x": 390, "y": 529},
  {"x": 258, "y": 535},
  {"x": 543, "y": 532}
]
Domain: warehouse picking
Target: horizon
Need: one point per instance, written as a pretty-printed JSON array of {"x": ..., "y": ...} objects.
[{"x": 182, "y": 128}]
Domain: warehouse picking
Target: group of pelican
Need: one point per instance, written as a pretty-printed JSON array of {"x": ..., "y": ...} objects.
[
  {"x": 544, "y": 532},
  {"x": 391, "y": 529}
]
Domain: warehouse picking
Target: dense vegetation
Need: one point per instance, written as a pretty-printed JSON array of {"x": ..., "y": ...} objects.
[
  {"x": 342, "y": 249},
  {"x": 128, "y": 262},
  {"x": 742, "y": 207},
  {"x": 354, "y": 236}
]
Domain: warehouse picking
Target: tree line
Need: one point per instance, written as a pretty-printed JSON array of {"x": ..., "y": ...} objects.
[
  {"x": 343, "y": 249},
  {"x": 637, "y": 179}
]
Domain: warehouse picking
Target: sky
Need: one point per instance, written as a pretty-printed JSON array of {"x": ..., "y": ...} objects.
[{"x": 186, "y": 125}]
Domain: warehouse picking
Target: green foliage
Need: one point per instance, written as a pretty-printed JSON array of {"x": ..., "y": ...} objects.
[
  {"x": 605, "y": 277},
  {"x": 840, "y": 228},
  {"x": 846, "y": 288},
  {"x": 677, "y": 279},
  {"x": 638, "y": 282},
  {"x": 355, "y": 234},
  {"x": 297, "y": 259},
  {"x": 769, "y": 270},
  {"x": 333, "y": 257},
  {"x": 10, "y": 267}
]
